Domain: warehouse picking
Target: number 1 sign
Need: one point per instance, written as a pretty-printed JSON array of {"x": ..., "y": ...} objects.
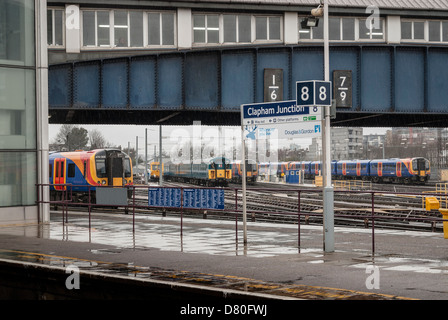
[{"x": 313, "y": 93}]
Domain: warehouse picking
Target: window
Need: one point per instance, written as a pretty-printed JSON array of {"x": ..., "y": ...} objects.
[
  {"x": 127, "y": 168},
  {"x": 17, "y": 33},
  {"x": 17, "y": 108},
  {"x": 127, "y": 28},
  {"x": 55, "y": 27},
  {"x": 101, "y": 168},
  {"x": 88, "y": 28},
  {"x": 369, "y": 32},
  {"x": 103, "y": 28},
  {"x": 71, "y": 170},
  {"x": 136, "y": 28},
  {"x": 412, "y": 30},
  {"x": 206, "y": 28},
  {"x": 18, "y": 174},
  {"x": 438, "y": 31},
  {"x": 434, "y": 30},
  {"x": 237, "y": 28},
  {"x": 160, "y": 29},
  {"x": 121, "y": 28},
  {"x": 343, "y": 29},
  {"x": 267, "y": 28}
]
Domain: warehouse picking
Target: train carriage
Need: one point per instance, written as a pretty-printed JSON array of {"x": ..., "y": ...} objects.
[
  {"x": 352, "y": 169},
  {"x": 251, "y": 171},
  {"x": 87, "y": 170},
  {"x": 154, "y": 171},
  {"x": 215, "y": 172},
  {"x": 408, "y": 170}
]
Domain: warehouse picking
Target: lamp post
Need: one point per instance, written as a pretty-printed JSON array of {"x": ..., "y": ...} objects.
[{"x": 328, "y": 192}]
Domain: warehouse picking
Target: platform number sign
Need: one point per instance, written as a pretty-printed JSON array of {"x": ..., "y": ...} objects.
[
  {"x": 342, "y": 82},
  {"x": 273, "y": 85},
  {"x": 313, "y": 93}
]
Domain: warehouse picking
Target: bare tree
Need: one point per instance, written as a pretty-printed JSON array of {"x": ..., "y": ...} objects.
[
  {"x": 97, "y": 140},
  {"x": 72, "y": 137}
]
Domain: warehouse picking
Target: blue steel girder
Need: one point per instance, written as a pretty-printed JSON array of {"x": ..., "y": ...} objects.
[{"x": 403, "y": 84}]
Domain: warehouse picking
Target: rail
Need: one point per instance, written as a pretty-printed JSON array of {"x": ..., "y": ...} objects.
[{"x": 373, "y": 214}]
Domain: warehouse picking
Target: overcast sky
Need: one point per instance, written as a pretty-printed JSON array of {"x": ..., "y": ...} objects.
[{"x": 122, "y": 134}]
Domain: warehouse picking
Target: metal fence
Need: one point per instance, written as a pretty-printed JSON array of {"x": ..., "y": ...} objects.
[{"x": 297, "y": 207}]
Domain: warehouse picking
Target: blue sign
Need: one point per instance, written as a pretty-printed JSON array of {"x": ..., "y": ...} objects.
[
  {"x": 164, "y": 197},
  {"x": 192, "y": 198},
  {"x": 204, "y": 199},
  {"x": 273, "y": 109},
  {"x": 313, "y": 93}
]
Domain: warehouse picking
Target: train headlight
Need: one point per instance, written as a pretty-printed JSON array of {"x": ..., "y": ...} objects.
[
  {"x": 103, "y": 182},
  {"x": 99, "y": 183}
]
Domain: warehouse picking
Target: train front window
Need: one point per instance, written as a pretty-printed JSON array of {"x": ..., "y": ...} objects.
[
  {"x": 127, "y": 168},
  {"x": 101, "y": 168},
  {"x": 117, "y": 167}
]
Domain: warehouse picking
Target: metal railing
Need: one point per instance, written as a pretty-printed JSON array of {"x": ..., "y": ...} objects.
[{"x": 299, "y": 214}]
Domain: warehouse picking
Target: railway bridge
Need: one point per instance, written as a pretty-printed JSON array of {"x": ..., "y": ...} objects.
[{"x": 200, "y": 60}]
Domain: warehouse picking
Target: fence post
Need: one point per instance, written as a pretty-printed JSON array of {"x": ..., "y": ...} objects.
[
  {"x": 90, "y": 209},
  {"x": 133, "y": 209},
  {"x": 298, "y": 219},
  {"x": 373, "y": 223},
  {"x": 181, "y": 210},
  {"x": 236, "y": 215}
]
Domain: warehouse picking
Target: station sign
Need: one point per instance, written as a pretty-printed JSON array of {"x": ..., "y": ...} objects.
[
  {"x": 164, "y": 197},
  {"x": 342, "y": 87},
  {"x": 281, "y": 112},
  {"x": 285, "y": 131},
  {"x": 313, "y": 93},
  {"x": 273, "y": 85},
  {"x": 193, "y": 198},
  {"x": 204, "y": 199}
]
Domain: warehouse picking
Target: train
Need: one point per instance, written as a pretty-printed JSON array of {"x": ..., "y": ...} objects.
[
  {"x": 415, "y": 170},
  {"x": 154, "y": 171},
  {"x": 272, "y": 169},
  {"x": 220, "y": 171},
  {"x": 251, "y": 171},
  {"x": 85, "y": 171},
  {"x": 216, "y": 172}
]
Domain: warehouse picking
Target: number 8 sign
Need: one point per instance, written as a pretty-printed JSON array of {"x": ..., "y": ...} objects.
[{"x": 313, "y": 93}]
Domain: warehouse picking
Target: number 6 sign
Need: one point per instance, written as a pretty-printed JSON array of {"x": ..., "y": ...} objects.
[{"x": 313, "y": 93}]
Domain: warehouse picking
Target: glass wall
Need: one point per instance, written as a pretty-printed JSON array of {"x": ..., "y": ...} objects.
[{"x": 18, "y": 162}]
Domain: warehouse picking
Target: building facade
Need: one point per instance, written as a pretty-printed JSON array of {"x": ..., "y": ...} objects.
[
  {"x": 82, "y": 30},
  {"x": 23, "y": 111}
]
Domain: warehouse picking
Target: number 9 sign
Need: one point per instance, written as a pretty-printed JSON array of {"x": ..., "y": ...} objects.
[{"x": 313, "y": 93}]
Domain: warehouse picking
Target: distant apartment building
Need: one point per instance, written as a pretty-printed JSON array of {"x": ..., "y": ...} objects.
[{"x": 346, "y": 144}]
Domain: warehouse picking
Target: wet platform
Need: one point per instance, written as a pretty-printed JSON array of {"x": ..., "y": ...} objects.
[{"x": 209, "y": 254}]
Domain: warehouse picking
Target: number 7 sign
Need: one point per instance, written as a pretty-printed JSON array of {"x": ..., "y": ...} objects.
[
  {"x": 342, "y": 81},
  {"x": 313, "y": 93}
]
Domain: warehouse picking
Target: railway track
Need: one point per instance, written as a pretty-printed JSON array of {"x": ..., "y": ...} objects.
[{"x": 281, "y": 205}]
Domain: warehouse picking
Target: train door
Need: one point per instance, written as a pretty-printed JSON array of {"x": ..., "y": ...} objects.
[
  {"x": 358, "y": 169},
  {"x": 344, "y": 168},
  {"x": 380, "y": 169},
  {"x": 116, "y": 171},
  {"x": 59, "y": 173},
  {"x": 398, "y": 169}
]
